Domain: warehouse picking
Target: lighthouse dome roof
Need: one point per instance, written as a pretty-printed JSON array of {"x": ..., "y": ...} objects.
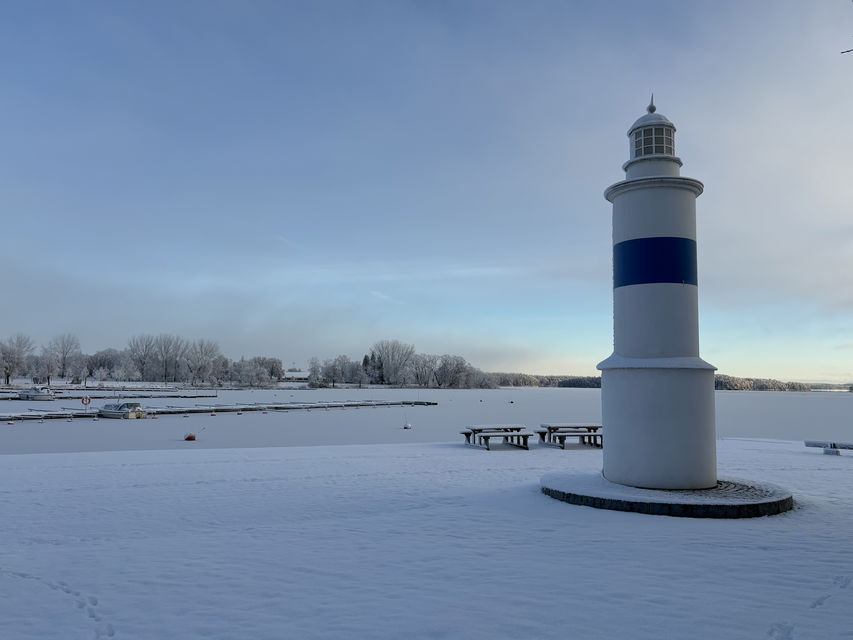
[{"x": 651, "y": 119}]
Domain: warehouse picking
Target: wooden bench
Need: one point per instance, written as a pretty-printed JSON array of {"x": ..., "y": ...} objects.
[
  {"x": 829, "y": 448},
  {"x": 514, "y": 438},
  {"x": 480, "y": 434},
  {"x": 547, "y": 437},
  {"x": 555, "y": 434},
  {"x": 584, "y": 437}
]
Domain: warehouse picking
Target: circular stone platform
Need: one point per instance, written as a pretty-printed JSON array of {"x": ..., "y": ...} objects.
[{"x": 729, "y": 499}]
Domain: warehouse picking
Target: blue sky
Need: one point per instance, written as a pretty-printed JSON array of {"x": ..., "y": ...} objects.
[{"x": 305, "y": 178}]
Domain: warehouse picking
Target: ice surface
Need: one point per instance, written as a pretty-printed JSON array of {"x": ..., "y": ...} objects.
[{"x": 774, "y": 415}]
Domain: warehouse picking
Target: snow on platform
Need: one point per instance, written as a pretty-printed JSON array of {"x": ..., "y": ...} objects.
[
  {"x": 730, "y": 498},
  {"x": 416, "y": 541}
]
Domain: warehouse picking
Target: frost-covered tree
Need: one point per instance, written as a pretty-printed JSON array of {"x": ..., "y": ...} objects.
[
  {"x": 361, "y": 378},
  {"x": 340, "y": 369},
  {"x": 330, "y": 373},
  {"x": 250, "y": 373},
  {"x": 219, "y": 369},
  {"x": 315, "y": 371},
  {"x": 273, "y": 366},
  {"x": 169, "y": 350},
  {"x": 450, "y": 373},
  {"x": 14, "y": 353},
  {"x": 423, "y": 369},
  {"x": 476, "y": 379},
  {"x": 106, "y": 359},
  {"x": 141, "y": 351},
  {"x": 395, "y": 358},
  {"x": 373, "y": 368},
  {"x": 44, "y": 366},
  {"x": 352, "y": 370},
  {"x": 63, "y": 347},
  {"x": 75, "y": 367},
  {"x": 199, "y": 358}
]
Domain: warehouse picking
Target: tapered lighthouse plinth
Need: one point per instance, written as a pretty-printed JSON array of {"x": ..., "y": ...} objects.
[{"x": 657, "y": 394}]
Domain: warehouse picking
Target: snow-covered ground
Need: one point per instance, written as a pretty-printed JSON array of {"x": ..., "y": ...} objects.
[
  {"x": 427, "y": 539},
  {"x": 419, "y": 541}
]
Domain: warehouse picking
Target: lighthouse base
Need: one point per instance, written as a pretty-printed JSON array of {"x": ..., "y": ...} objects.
[
  {"x": 730, "y": 498},
  {"x": 659, "y": 424}
]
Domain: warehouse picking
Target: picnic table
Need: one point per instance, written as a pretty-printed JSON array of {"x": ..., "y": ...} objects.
[
  {"x": 556, "y": 434},
  {"x": 830, "y": 448},
  {"x": 481, "y": 434}
]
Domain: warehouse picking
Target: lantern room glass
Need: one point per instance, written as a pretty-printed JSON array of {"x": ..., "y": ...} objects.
[{"x": 654, "y": 141}]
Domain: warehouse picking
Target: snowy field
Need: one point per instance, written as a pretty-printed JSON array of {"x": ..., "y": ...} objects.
[
  {"x": 419, "y": 541},
  {"x": 422, "y": 539}
]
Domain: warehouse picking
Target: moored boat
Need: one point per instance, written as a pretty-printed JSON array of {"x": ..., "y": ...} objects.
[
  {"x": 37, "y": 393},
  {"x": 123, "y": 410}
]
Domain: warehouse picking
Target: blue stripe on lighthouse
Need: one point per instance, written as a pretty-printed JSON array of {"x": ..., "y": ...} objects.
[{"x": 647, "y": 260}]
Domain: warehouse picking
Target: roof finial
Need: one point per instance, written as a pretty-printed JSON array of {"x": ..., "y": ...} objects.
[{"x": 652, "y": 108}]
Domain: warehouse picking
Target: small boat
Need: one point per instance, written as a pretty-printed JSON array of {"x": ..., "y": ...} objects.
[
  {"x": 123, "y": 410},
  {"x": 37, "y": 393}
]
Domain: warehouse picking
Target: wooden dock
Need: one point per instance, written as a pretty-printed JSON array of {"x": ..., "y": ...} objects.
[{"x": 64, "y": 413}]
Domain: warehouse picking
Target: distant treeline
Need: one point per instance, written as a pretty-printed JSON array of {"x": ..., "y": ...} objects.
[
  {"x": 161, "y": 358},
  {"x": 395, "y": 363},
  {"x": 526, "y": 380},
  {"x": 171, "y": 358},
  {"x": 721, "y": 382}
]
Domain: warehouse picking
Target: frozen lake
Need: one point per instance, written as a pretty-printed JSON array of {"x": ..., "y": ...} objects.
[{"x": 741, "y": 414}]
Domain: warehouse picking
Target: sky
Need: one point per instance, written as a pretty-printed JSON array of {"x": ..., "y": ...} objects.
[{"x": 301, "y": 179}]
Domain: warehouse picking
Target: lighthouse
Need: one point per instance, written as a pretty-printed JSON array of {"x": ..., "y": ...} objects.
[{"x": 657, "y": 394}]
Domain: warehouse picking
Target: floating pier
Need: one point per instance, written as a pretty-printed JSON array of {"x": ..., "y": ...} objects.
[{"x": 65, "y": 413}]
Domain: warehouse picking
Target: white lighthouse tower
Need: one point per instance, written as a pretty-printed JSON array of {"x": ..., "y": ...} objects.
[{"x": 657, "y": 394}]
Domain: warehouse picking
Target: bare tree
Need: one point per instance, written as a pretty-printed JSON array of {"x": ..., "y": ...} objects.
[
  {"x": 13, "y": 354},
  {"x": 219, "y": 369},
  {"x": 395, "y": 357},
  {"x": 199, "y": 359},
  {"x": 77, "y": 368},
  {"x": 336, "y": 370},
  {"x": 106, "y": 360},
  {"x": 423, "y": 369},
  {"x": 63, "y": 347},
  {"x": 315, "y": 371},
  {"x": 140, "y": 350},
  {"x": 273, "y": 367},
  {"x": 169, "y": 349},
  {"x": 45, "y": 365},
  {"x": 450, "y": 373},
  {"x": 252, "y": 372}
]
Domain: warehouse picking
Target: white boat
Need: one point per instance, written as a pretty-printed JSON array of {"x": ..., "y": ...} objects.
[
  {"x": 37, "y": 393},
  {"x": 124, "y": 410}
]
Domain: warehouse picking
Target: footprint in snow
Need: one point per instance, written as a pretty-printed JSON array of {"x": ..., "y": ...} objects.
[
  {"x": 87, "y": 603},
  {"x": 842, "y": 582},
  {"x": 781, "y": 631}
]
